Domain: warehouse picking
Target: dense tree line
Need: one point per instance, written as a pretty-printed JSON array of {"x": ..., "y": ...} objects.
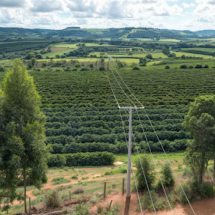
[
  {"x": 81, "y": 159},
  {"x": 118, "y": 148}
]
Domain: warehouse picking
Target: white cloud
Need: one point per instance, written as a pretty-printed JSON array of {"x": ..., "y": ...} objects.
[
  {"x": 185, "y": 5},
  {"x": 59, "y": 14},
  {"x": 13, "y": 3}
]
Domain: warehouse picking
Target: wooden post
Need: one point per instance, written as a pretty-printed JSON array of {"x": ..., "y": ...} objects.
[
  {"x": 104, "y": 190},
  {"x": 110, "y": 205},
  {"x": 123, "y": 186},
  {"x": 70, "y": 195},
  {"x": 127, "y": 205},
  {"x": 7, "y": 205},
  {"x": 29, "y": 206}
]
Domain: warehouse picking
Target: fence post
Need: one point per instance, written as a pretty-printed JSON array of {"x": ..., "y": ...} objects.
[
  {"x": 104, "y": 190},
  {"x": 29, "y": 206},
  {"x": 123, "y": 186},
  {"x": 110, "y": 205}
]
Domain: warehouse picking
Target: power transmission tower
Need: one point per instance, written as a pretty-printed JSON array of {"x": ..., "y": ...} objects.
[{"x": 128, "y": 188}]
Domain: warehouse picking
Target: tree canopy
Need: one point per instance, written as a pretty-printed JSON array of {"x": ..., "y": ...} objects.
[
  {"x": 23, "y": 153},
  {"x": 200, "y": 122}
]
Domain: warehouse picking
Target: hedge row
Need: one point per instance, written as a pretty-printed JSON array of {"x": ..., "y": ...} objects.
[
  {"x": 82, "y": 159},
  {"x": 119, "y": 148}
]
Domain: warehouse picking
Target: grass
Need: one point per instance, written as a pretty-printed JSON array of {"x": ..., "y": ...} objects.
[
  {"x": 157, "y": 156},
  {"x": 74, "y": 46},
  {"x": 179, "y": 54},
  {"x": 211, "y": 50},
  {"x": 53, "y": 54},
  {"x": 94, "y": 186},
  {"x": 60, "y": 180}
]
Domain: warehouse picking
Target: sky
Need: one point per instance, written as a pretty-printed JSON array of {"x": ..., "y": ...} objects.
[{"x": 58, "y": 14}]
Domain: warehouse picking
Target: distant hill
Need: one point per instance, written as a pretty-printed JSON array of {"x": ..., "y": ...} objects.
[
  {"x": 206, "y": 33},
  {"x": 7, "y": 34}
]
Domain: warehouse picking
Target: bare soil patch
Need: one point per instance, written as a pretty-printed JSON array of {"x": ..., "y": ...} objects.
[{"x": 118, "y": 163}]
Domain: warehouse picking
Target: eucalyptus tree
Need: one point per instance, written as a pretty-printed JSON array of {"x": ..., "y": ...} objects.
[
  {"x": 25, "y": 126},
  {"x": 200, "y": 122}
]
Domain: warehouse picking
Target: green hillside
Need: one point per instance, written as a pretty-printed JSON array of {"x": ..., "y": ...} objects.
[{"x": 14, "y": 34}]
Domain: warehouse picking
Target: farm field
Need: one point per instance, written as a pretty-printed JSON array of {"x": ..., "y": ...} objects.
[
  {"x": 84, "y": 128},
  {"x": 91, "y": 181},
  {"x": 74, "y": 46},
  {"x": 154, "y": 55},
  {"x": 211, "y": 50},
  {"x": 54, "y": 53},
  {"x": 179, "y": 54}
]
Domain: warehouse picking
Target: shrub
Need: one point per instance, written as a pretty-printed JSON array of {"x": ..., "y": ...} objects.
[
  {"x": 60, "y": 180},
  {"x": 190, "y": 66},
  {"x": 149, "y": 56},
  {"x": 81, "y": 210},
  {"x": 77, "y": 65},
  {"x": 146, "y": 164},
  {"x": 183, "y": 66},
  {"x": 173, "y": 55},
  {"x": 1, "y": 69},
  {"x": 74, "y": 69},
  {"x": 195, "y": 191},
  {"x": 179, "y": 166},
  {"x": 167, "y": 67},
  {"x": 94, "y": 200},
  {"x": 101, "y": 68},
  {"x": 198, "y": 66},
  {"x": 109, "y": 172},
  {"x": 206, "y": 66},
  {"x": 52, "y": 200},
  {"x": 74, "y": 177},
  {"x": 91, "y": 66},
  {"x": 99, "y": 209},
  {"x": 78, "y": 191},
  {"x": 124, "y": 170},
  {"x": 56, "y": 161},
  {"x": 136, "y": 68},
  {"x": 67, "y": 69},
  {"x": 84, "y": 69},
  {"x": 90, "y": 159},
  {"x": 166, "y": 176}
]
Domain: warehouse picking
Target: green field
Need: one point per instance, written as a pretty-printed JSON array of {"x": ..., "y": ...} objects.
[
  {"x": 74, "y": 46},
  {"x": 53, "y": 54},
  {"x": 179, "y": 54},
  {"x": 211, "y": 50}
]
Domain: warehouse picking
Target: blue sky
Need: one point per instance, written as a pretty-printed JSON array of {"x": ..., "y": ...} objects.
[{"x": 58, "y": 14}]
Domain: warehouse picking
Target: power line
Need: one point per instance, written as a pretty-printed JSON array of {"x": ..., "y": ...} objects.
[
  {"x": 158, "y": 140},
  {"x": 155, "y": 165},
  {"x": 127, "y": 147},
  {"x": 120, "y": 85},
  {"x": 137, "y": 152},
  {"x": 131, "y": 165},
  {"x": 141, "y": 163},
  {"x": 144, "y": 175}
]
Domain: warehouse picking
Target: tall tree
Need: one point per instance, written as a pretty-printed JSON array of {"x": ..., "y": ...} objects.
[
  {"x": 145, "y": 163},
  {"x": 21, "y": 106},
  {"x": 200, "y": 122},
  {"x": 10, "y": 156}
]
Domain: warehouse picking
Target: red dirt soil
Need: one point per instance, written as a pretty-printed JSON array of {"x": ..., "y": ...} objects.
[
  {"x": 52, "y": 187},
  {"x": 120, "y": 199}
]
